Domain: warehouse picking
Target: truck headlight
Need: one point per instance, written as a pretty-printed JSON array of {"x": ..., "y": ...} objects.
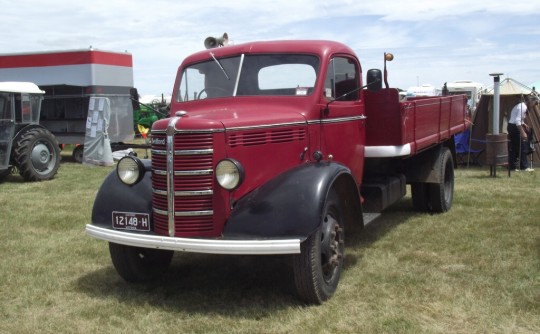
[
  {"x": 130, "y": 170},
  {"x": 229, "y": 174}
]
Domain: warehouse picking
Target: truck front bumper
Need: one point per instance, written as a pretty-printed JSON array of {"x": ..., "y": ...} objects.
[{"x": 210, "y": 246}]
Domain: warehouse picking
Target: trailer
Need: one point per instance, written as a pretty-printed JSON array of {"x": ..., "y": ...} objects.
[{"x": 70, "y": 78}]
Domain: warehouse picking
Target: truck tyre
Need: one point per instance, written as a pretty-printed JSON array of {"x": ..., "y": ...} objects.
[
  {"x": 37, "y": 155},
  {"x": 318, "y": 266},
  {"x": 442, "y": 193},
  {"x": 419, "y": 194},
  {"x": 139, "y": 265}
]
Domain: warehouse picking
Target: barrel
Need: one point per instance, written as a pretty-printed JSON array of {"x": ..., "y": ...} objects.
[{"x": 496, "y": 149}]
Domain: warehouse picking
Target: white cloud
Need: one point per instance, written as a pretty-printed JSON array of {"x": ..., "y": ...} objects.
[{"x": 440, "y": 41}]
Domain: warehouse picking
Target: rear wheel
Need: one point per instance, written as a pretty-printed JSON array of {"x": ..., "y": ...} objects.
[
  {"x": 318, "y": 267},
  {"x": 436, "y": 197},
  {"x": 441, "y": 194},
  {"x": 37, "y": 155},
  {"x": 139, "y": 265}
]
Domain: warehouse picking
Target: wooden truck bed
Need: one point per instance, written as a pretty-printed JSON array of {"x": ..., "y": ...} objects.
[{"x": 418, "y": 124}]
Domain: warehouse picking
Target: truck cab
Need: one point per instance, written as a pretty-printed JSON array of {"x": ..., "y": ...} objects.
[{"x": 269, "y": 150}]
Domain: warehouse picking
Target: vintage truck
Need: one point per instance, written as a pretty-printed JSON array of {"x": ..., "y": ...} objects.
[{"x": 276, "y": 147}]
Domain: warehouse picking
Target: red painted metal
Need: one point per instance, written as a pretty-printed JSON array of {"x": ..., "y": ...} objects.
[{"x": 269, "y": 135}]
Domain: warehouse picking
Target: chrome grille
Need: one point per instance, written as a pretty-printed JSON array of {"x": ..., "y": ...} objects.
[{"x": 192, "y": 185}]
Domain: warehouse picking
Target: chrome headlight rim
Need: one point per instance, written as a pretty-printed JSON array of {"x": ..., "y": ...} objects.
[
  {"x": 229, "y": 174},
  {"x": 130, "y": 170}
]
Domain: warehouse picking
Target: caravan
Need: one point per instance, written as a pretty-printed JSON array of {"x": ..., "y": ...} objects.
[
  {"x": 424, "y": 90},
  {"x": 472, "y": 89}
]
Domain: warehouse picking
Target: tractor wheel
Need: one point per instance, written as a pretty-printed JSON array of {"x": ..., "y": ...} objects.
[
  {"x": 4, "y": 174},
  {"x": 37, "y": 155},
  {"x": 139, "y": 265},
  {"x": 318, "y": 266}
]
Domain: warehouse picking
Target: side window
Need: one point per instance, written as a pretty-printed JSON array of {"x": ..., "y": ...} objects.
[
  {"x": 35, "y": 101},
  {"x": 26, "y": 108},
  {"x": 342, "y": 78}
]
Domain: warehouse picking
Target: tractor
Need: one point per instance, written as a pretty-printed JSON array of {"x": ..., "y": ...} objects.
[{"x": 25, "y": 145}]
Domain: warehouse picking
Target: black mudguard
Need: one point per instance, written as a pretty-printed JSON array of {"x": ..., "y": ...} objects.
[
  {"x": 113, "y": 195},
  {"x": 290, "y": 205}
]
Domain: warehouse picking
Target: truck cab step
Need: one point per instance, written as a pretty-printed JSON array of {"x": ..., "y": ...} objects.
[{"x": 369, "y": 217}]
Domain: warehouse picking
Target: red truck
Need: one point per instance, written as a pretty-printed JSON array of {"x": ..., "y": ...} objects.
[{"x": 276, "y": 147}]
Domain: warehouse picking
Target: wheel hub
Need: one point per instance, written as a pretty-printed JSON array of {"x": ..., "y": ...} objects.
[
  {"x": 331, "y": 246},
  {"x": 41, "y": 156}
]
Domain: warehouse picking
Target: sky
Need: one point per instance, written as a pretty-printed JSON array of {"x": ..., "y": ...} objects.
[{"x": 433, "y": 42}]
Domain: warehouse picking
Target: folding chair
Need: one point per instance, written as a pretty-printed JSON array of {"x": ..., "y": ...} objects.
[{"x": 465, "y": 155}]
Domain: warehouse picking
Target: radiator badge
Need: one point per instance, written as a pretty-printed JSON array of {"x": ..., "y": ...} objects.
[{"x": 158, "y": 141}]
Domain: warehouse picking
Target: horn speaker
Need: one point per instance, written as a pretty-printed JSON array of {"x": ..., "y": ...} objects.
[{"x": 214, "y": 42}]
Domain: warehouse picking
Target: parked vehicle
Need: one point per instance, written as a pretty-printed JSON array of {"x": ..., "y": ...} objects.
[
  {"x": 24, "y": 143},
  {"x": 423, "y": 91},
  {"x": 276, "y": 147},
  {"x": 471, "y": 89},
  {"x": 70, "y": 78}
]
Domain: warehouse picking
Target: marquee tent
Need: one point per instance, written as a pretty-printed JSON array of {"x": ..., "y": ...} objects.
[{"x": 511, "y": 93}]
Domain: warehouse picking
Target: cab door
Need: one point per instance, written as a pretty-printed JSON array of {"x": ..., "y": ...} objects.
[
  {"x": 7, "y": 128},
  {"x": 343, "y": 119}
]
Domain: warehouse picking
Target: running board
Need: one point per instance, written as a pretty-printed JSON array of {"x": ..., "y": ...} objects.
[{"x": 369, "y": 217}]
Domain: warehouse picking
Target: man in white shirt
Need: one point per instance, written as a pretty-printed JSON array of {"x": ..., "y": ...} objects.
[{"x": 518, "y": 134}]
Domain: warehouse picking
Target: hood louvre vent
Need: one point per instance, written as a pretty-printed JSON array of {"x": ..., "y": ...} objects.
[{"x": 273, "y": 136}]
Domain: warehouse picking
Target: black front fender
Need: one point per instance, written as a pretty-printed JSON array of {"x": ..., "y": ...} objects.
[
  {"x": 113, "y": 195},
  {"x": 290, "y": 205}
]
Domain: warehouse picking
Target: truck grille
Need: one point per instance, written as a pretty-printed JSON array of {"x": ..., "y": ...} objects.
[{"x": 192, "y": 186}]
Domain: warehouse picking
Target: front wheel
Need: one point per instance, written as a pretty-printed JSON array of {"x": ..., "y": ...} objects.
[
  {"x": 318, "y": 267},
  {"x": 137, "y": 264}
]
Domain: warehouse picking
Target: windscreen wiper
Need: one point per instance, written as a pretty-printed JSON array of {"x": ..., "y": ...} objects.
[{"x": 219, "y": 64}]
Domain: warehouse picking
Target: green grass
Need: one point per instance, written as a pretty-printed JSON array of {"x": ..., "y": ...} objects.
[{"x": 475, "y": 269}]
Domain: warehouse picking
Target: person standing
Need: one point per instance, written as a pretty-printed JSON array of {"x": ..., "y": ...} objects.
[{"x": 517, "y": 132}]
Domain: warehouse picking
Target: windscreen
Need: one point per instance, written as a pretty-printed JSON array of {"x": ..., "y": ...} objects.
[{"x": 252, "y": 75}]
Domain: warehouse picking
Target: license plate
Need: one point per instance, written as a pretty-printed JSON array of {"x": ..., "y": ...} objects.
[{"x": 131, "y": 221}]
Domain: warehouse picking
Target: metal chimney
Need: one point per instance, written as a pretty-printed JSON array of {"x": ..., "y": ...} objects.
[{"x": 496, "y": 101}]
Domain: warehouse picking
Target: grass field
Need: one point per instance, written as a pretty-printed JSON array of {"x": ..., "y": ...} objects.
[{"x": 475, "y": 269}]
